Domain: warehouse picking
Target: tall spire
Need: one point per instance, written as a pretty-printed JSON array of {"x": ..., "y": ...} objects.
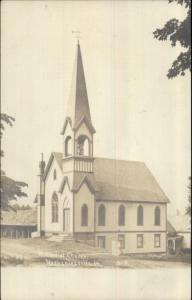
[{"x": 78, "y": 105}]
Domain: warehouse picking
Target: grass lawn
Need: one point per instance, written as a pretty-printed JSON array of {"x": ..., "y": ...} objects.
[{"x": 33, "y": 252}]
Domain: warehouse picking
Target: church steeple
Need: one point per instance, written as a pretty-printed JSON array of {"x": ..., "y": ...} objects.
[
  {"x": 78, "y": 129},
  {"x": 78, "y": 104}
]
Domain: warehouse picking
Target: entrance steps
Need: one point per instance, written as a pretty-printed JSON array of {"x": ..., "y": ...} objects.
[{"x": 61, "y": 237}]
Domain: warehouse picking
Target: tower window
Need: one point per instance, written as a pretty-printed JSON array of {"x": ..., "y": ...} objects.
[
  {"x": 83, "y": 145},
  {"x": 68, "y": 146}
]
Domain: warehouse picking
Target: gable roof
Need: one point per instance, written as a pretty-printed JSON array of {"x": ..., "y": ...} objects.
[
  {"x": 126, "y": 181},
  {"x": 20, "y": 217},
  {"x": 63, "y": 182},
  {"x": 180, "y": 222},
  {"x": 80, "y": 178},
  {"x": 58, "y": 158},
  {"x": 170, "y": 228},
  {"x": 121, "y": 180}
]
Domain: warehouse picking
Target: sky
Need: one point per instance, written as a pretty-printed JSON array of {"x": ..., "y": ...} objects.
[{"x": 137, "y": 112}]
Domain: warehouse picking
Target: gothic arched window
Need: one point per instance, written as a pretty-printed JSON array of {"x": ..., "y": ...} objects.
[
  {"x": 121, "y": 215},
  {"x": 84, "y": 215},
  {"x": 68, "y": 146},
  {"x": 101, "y": 215},
  {"x": 157, "y": 215},
  {"x": 54, "y": 175},
  {"x": 54, "y": 204},
  {"x": 140, "y": 215},
  {"x": 83, "y": 145}
]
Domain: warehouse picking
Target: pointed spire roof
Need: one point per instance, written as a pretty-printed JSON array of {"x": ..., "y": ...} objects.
[{"x": 78, "y": 104}]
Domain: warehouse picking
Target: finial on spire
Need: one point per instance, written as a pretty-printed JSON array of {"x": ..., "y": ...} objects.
[{"x": 77, "y": 35}]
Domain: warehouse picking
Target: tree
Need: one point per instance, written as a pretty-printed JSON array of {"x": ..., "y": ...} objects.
[
  {"x": 8, "y": 120},
  {"x": 188, "y": 208},
  {"x": 10, "y": 189},
  {"x": 178, "y": 31}
]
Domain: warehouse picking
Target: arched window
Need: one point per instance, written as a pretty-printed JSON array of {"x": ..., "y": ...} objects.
[
  {"x": 84, "y": 215},
  {"x": 54, "y": 204},
  {"x": 54, "y": 175},
  {"x": 68, "y": 146},
  {"x": 140, "y": 215},
  {"x": 157, "y": 215},
  {"x": 121, "y": 215},
  {"x": 83, "y": 145},
  {"x": 101, "y": 215}
]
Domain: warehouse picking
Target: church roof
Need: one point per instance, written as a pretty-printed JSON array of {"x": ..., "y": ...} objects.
[
  {"x": 180, "y": 222},
  {"x": 120, "y": 180},
  {"x": 170, "y": 229},
  {"x": 78, "y": 104},
  {"x": 81, "y": 177},
  {"x": 126, "y": 181},
  {"x": 58, "y": 157}
]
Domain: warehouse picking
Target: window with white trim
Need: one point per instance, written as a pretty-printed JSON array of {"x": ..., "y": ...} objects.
[
  {"x": 121, "y": 239},
  {"x": 157, "y": 240},
  {"x": 139, "y": 240}
]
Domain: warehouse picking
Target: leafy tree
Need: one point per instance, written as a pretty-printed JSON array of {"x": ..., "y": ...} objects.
[
  {"x": 188, "y": 208},
  {"x": 15, "y": 206},
  {"x": 5, "y": 119},
  {"x": 178, "y": 31},
  {"x": 10, "y": 189}
]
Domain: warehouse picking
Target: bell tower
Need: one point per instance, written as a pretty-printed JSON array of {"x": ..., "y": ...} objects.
[{"x": 78, "y": 130}]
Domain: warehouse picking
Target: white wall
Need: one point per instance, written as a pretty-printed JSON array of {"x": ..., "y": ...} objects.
[
  {"x": 111, "y": 223},
  {"x": 84, "y": 196},
  {"x": 66, "y": 201},
  {"x": 131, "y": 242},
  {"x": 52, "y": 186}
]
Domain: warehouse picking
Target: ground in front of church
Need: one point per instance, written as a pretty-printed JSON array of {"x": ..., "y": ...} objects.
[{"x": 41, "y": 252}]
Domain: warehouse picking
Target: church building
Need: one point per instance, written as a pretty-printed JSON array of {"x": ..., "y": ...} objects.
[{"x": 98, "y": 200}]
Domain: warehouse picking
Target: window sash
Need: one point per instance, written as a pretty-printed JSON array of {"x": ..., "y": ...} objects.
[
  {"x": 121, "y": 216},
  {"x": 121, "y": 239},
  {"x": 140, "y": 241},
  {"x": 140, "y": 216},
  {"x": 54, "y": 212},
  {"x": 157, "y": 242},
  {"x": 157, "y": 216},
  {"x": 84, "y": 216},
  {"x": 101, "y": 216}
]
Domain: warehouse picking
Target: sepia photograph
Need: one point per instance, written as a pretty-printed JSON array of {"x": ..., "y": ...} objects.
[{"x": 95, "y": 150}]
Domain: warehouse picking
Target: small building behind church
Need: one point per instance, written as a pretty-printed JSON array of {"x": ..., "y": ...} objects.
[
  {"x": 96, "y": 200},
  {"x": 18, "y": 224},
  {"x": 179, "y": 234}
]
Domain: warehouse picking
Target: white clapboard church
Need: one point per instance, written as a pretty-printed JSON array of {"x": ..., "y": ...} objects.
[{"x": 98, "y": 200}]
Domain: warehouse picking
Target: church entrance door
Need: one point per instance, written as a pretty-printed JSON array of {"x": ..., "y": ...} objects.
[{"x": 66, "y": 220}]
